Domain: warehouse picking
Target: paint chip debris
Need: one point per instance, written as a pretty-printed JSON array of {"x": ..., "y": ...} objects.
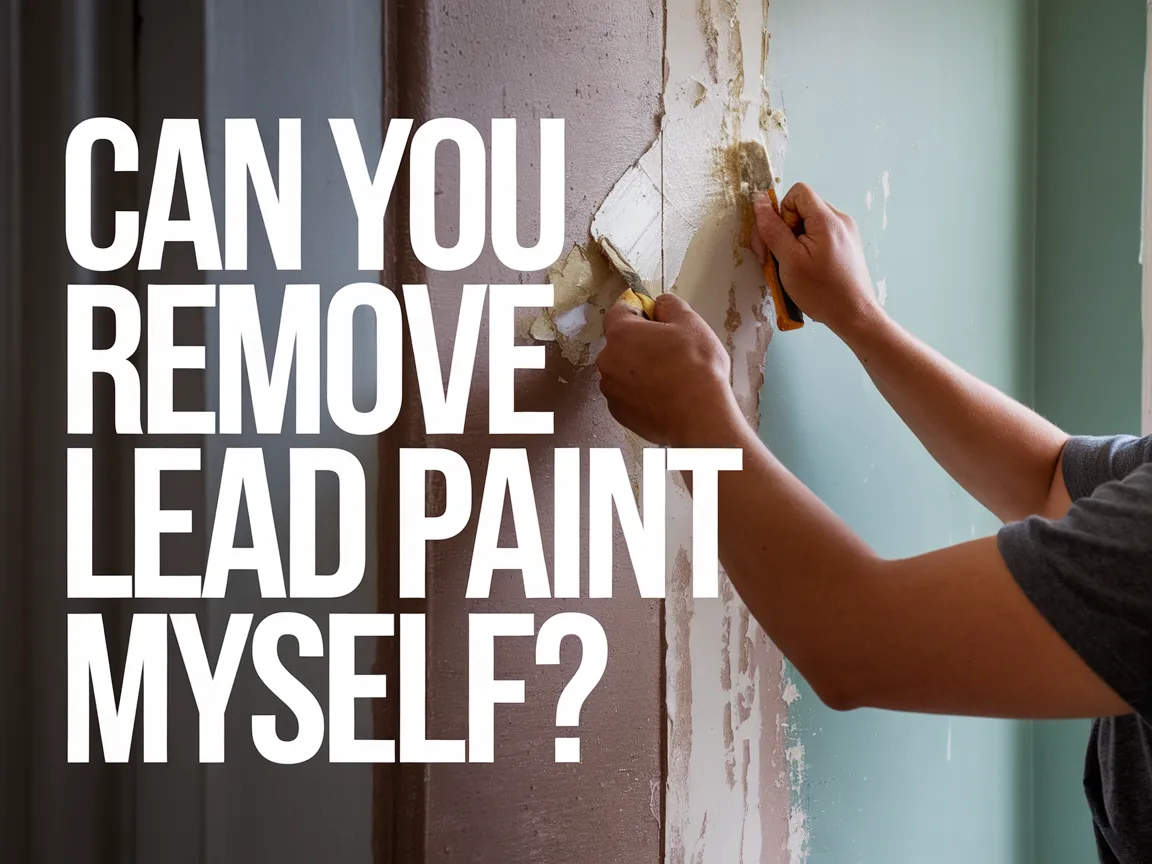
[
  {"x": 584, "y": 287},
  {"x": 795, "y": 757},
  {"x": 882, "y": 291},
  {"x": 886, "y": 182},
  {"x": 797, "y": 836}
]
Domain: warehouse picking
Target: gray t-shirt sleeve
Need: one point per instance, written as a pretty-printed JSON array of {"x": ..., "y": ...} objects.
[
  {"x": 1092, "y": 462},
  {"x": 1090, "y": 573}
]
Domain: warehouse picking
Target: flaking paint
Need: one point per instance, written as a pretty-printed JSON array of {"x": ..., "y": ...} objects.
[{"x": 676, "y": 217}]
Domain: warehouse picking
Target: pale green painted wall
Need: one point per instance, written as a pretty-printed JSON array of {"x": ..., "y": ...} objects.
[
  {"x": 1091, "y": 75},
  {"x": 1011, "y": 131},
  {"x": 941, "y": 95}
]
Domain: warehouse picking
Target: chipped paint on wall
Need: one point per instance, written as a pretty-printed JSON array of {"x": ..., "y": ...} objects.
[
  {"x": 798, "y": 837},
  {"x": 675, "y": 217},
  {"x": 886, "y": 184},
  {"x": 585, "y": 285},
  {"x": 728, "y": 779}
]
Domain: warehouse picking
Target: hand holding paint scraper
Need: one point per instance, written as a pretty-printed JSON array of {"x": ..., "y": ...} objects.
[{"x": 755, "y": 177}]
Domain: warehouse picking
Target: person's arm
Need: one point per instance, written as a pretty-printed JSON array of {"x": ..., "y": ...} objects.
[
  {"x": 1005, "y": 455},
  {"x": 945, "y": 632}
]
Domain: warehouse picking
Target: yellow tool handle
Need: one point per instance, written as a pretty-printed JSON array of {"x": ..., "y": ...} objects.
[{"x": 642, "y": 303}]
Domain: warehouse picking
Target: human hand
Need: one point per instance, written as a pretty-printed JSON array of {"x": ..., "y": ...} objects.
[
  {"x": 821, "y": 258},
  {"x": 667, "y": 379}
]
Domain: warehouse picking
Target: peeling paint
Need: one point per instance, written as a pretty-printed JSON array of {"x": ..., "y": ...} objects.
[
  {"x": 676, "y": 217},
  {"x": 797, "y": 836},
  {"x": 882, "y": 291},
  {"x": 584, "y": 287},
  {"x": 886, "y": 183},
  {"x": 795, "y": 757}
]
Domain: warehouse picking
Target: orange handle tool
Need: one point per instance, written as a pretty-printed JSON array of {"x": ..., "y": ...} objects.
[{"x": 788, "y": 314}]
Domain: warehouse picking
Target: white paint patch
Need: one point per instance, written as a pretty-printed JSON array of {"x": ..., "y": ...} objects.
[
  {"x": 882, "y": 291},
  {"x": 886, "y": 182},
  {"x": 632, "y": 215},
  {"x": 795, "y": 757},
  {"x": 674, "y": 217},
  {"x": 869, "y": 199},
  {"x": 797, "y": 836},
  {"x": 572, "y": 322}
]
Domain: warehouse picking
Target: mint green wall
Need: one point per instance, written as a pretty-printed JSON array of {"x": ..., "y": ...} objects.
[
  {"x": 1088, "y": 214},
  {"x": 1091, "y": 74},
  {"x": 1012, "y": 133},
  {"x": 941, "y": 94}
]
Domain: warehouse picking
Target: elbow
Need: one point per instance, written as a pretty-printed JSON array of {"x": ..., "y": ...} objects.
[
  {"x": 839, "y": 690},
  {"x": 840, "y": 699}
]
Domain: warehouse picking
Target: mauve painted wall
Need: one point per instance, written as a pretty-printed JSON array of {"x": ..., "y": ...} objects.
[{"x": 599, "y": 66}]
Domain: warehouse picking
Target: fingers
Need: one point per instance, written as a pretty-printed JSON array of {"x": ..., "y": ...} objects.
[
  {"x": 775, "y": 235},
  {"x": 619, "y": 316},
  {"x": 670, "y": 309},
  {"x": 801, "y": 201},
  {"x": 758, "y": 248},
  {"x": 844, "y": 217}
]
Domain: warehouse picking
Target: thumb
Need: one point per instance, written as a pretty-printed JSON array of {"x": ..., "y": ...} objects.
[
  {"x": 671, "y": 309},
  {"x": 777, "y": 236}
]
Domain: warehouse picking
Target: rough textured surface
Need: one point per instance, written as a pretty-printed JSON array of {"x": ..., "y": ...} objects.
[
  {"x": 728, "y": 796},
  {"x": 599, "y": 67}
]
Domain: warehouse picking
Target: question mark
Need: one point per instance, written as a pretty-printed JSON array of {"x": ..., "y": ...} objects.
[{"x": 593, "y": 662}]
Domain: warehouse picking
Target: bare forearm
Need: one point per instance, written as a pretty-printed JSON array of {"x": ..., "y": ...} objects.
[
  {"x": 795, "y": 563},
  {"x": 946, "y": 632},
  {"x": 1004, "y": 454}
]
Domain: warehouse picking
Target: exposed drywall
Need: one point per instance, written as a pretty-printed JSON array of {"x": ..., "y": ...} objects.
[
  {"x": 597, "y": 65},
  {"x": 727, "y": 786},
  {"x": 1088, "y": 335},
  {"x": 924, "y": 111},
  {"x": 676, "y": 217}
]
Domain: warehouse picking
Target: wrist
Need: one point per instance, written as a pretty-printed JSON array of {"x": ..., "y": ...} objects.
[
  {"x": 862, "y": 326},
  {"x": 713, "y": 423}
]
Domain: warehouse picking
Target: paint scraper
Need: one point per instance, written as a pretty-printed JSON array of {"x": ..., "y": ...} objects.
[
  {"x": 636, "y": 294},
  {"x": 756, "y": 176}
]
